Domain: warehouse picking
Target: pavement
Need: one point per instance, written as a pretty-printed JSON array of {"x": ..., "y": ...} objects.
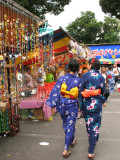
[{"x": 25, "y": 145}]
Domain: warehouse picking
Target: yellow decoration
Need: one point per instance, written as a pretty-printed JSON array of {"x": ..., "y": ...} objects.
[
  {"x": 5, "y": 16},
  {"x": 1, "y": 57},
  {"x": 74, "y": 91},
  {"x": 73, "y": 51},
  {"x": 113, "y": 56},
  {"x": 22, "y": 25}
]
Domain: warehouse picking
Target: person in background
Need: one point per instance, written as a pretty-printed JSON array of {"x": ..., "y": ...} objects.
[
  {"x": 104, "y": 74},
  {"x": 111, "y": 80},
  {"x": 29, "y": 78},
  {"x": 64, "y": 96},
  {"x": 116, "y": 71},
  {"x": 29, "y": 81},
  {"x": 84, "y": 70},
  {"x": 92, "y": 106}
]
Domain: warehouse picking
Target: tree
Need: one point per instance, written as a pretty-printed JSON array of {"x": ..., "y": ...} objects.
[
  {"x": 41, "y": 7},
  {"x": 111, "y": 6},
  {"x": 86, "y": 29},
  {"x": 111, "y": 30}
]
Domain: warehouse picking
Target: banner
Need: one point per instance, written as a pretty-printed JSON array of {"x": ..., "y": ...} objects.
[{"x": 110, "y": 52}]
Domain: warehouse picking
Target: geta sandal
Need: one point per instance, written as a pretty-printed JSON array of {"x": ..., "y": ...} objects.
[
  {"x": 67, "y": 154},
  {"x": 91, "y": 157}
]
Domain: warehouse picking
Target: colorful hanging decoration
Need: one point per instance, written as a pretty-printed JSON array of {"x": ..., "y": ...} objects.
[
  {"x": 46, "y": 47},
  {"x": 18, "y": 38}
]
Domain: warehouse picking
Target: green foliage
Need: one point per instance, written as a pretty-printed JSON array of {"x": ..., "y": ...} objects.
[
  {"x": 111, "y": 30},
  {"x": 111, "y": 6},
  {"x": 41, "y": 7},
  {"x": 86, "y": 29}
]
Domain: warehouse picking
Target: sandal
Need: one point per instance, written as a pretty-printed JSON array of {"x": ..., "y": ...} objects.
[
  {"x": 90, "y": 157},
  {"x": 74, "y": 142},
  {"x": 67, "y": 154}
]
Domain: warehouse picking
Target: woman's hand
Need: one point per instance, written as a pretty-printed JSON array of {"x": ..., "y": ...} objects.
[{"x": 81, "y": 114}]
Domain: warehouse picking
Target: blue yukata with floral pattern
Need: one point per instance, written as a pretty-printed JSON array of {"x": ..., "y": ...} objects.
[
  {"x": 92, "y": 106},
  {"x": 111, "y": 81},
  {"x": 67, "y": 108}
]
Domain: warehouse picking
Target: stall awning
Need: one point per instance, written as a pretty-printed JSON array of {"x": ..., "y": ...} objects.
[{"x": 60, "y": 41}]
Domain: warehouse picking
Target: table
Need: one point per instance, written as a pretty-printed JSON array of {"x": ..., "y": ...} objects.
[{"x": 32, "y": 103}]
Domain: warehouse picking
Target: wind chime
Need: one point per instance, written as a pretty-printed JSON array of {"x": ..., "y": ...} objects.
[
  {"x": 18, "y": 36},
  {"x": 4, "y": 121},
  {"x": 46, "y": 47}
]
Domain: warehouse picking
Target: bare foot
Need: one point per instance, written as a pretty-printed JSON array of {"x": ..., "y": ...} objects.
[
  {"x": 66, "y": 153},
  {"x": 90, "y": 156},
  {"x": 74, "y": 142}
]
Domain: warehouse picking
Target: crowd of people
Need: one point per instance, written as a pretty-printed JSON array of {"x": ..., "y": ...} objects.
[{"x": 87, "y": 92}]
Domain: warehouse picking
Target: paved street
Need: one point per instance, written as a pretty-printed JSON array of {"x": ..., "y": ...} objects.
[{"x": 25, "y": 146}]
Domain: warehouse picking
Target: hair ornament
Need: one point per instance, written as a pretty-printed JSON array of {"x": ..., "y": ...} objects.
[{"x": 93, "y": 60}]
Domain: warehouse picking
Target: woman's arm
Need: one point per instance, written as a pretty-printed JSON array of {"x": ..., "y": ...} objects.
[
  {"x": 53, "y": 98},
  {"x": 81, "y": 89}
]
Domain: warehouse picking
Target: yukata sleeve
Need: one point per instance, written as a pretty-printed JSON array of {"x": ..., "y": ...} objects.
[
  {"x": 102, "y": 87},
  {"x": 53, "y": 98},
  {"x": 113, "y": 79},
  {"x": 81, "y": 88}
]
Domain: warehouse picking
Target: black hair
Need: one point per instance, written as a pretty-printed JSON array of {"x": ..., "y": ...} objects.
[
  {"x": 103, "y": 66},
  {"x": 85, "y": 68},
  {"x": 110, "y": 67},
  {"x": 73, "y": 65},
  {"x": 95, "y": 63}
]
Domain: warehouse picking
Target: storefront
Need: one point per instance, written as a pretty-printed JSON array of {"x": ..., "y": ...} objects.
[{"x": 18, "y": 36}]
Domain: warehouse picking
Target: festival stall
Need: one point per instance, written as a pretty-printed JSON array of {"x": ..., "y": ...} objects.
[
  {"x": 18, "y": 37},
  {"x": 65, "y": 48},
  {"x": 106, "y": 53},
  {"x": 41, "y": 62},
  {"x": 57, "y": 48}
]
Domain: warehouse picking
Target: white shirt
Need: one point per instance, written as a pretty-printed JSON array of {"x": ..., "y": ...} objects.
[
  {"x": 105, "y": 76},
  {"x": 116, "y": 71}
]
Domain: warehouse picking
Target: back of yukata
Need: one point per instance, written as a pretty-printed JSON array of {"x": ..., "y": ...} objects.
[
  {"x": 92, "y": 106},
  {"x": 67, "y": 107},
  {"x": 56, "y": 99}
]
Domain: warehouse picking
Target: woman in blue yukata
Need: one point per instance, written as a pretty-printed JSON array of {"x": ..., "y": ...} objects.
[
  {"x": 64, "y": 96},
  {"x": 91, "y": 106},
  {"x": 111, "y": 80}
]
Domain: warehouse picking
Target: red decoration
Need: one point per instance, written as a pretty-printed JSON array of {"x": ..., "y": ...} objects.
[
  {"x": 93, "y": 60},
  {"x": 110, "y": 76}
]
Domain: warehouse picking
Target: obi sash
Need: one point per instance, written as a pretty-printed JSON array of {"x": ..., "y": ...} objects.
[
  {"x": 88, "y": 93},
  {"x": 72, "y": 94}
]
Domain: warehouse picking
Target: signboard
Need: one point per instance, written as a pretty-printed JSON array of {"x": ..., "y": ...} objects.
[{"x": 110, "y": 52}]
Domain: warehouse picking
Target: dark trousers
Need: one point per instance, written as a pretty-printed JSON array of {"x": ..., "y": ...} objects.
[
  {"x": 116, "y": 79},
  {"x": 106, "y": 94}
]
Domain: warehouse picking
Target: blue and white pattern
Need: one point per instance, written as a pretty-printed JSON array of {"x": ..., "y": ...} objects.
[
  {"x": 92, "y": 106},
  {"x": 67, "y": 108},
  {"x": 111, "y": 82}
]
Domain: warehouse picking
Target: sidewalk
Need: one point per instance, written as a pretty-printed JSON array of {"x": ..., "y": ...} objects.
[{"x": 25, "y": 146}]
